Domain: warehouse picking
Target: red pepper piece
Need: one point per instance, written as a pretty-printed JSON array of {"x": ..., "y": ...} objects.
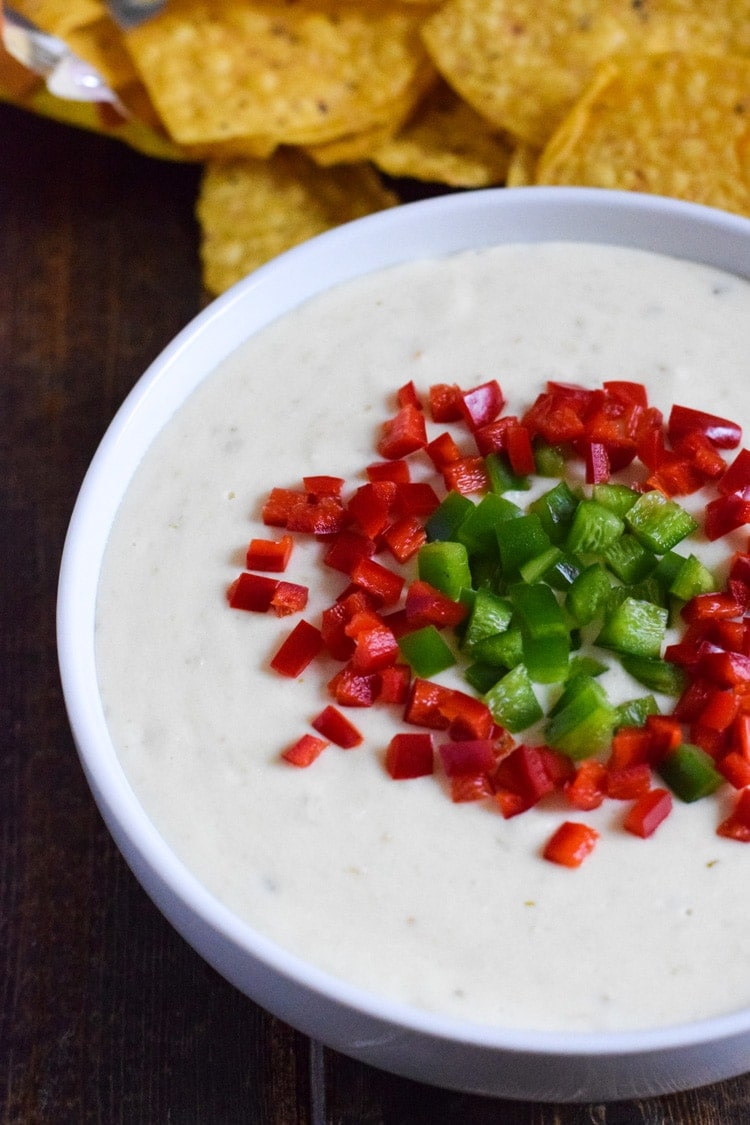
[
  {"x": 556, "y": 418},
  {"x": 409, "y": 755},
  {"x": 304, "y": 751},
  {"x": 403, "y": 434},
  {"x": 721, "y": 432},
  {"x": 628, "y": 393},
  {"x": 465, "y": 788},
  {"x": 404, "y": 538},
  {"x": 337, "y": 641},
  {"x": 482, "y": 404},
  {"x": 720, "y": 710},
  {"x": 442, "y": 451},
  {"x": 737, "y": 825},
  {"x": 587, "y": 789},
  {"x": 524, "y": 771},
  {"x": 628, "y": 782},
  {"x": 630, "y": 746},
  {"x": 467, "y": 757},
  {"x": 596, "y": 460},
  {"x": 394, "y": 683},
  {"x": 371, "y": 505},
  {"x": 269, "y": 554},
  {"x": 325, "y": 516},
  {"x": 417, "y": 498},
  {"x": 647, "y": 813},
  {"x": 725, "y": 668},
  {"x": 468, "y": 474},
  {"x": 408, "y": 396},
  {"x": 301, "y": 646},
  {"x": 676, "y": 476},
  {"x": 288, "y": 597},
  {"x": 397, "y": 471},
  {"x": 445, "y": 402},
  {"x": 570, "y": 844},
  {"x": 735, "y": 768},
  {"x": 337, "y": 728},
  {"x": 252, "y": 592},
  {"x": 520, "y": 450},
  {"x": 511, "y": 803},
  {"x": 279, "y": 505},
  {"x": 650, "y": 444},
  {"x": 737, "y": 476},
  {"x": 347, "y": 549},
  {"x": 727, "y": 513},
  {"x": 374, "y": 649},
  {"x": 425, "y": 703},
  {"x": 354, "y": 689},
  {"x": 318, "y": 486},
  {"x": 704, "y": 457},
  {"x": 468, "y": 717},
  {"x": 427, "y": 606},
  {"x": 377, "y": 580},
  {"x": 665, "y": 733},
  {"x": 710, "y": 607}
]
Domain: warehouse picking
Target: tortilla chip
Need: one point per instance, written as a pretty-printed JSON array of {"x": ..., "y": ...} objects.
[
  {"x": 446, "y": 142},
  {"x": 522, "y": 166},
  {"x": 298, "y": 73},
  {"x": 671, "y": 124},
  {"x": 59, "y": 17},
  {"x": 522, "y": 64},
  {"x": 252, "y": 210}
]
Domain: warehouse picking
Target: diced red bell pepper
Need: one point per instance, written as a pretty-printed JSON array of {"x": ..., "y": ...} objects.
[
  {"x": 482, "y": 404},
  {"x": 403, "y": 434},
  {"x": 394, "y": 683},
  {"x": 676, "y": 476},
  {"x": 520, "y": 450},
  {"x": 524, "y": 771},
  {"x": 648, "y": 812},
  {"x": 408, "y": 396},
  {"x": 409, "y": 755},
  {"x": 556, "y": 418},
  {"x": 468, "y": 474},
  {"x": 425, "y": 703},
  {"x": 469, "y": 787},
  {"x": 427, "y": 606},
  {"x": 630, "y": 746},
  {"x": 704, "y": 456},
  {"x": 371, "y": 506},
  {"x": 269, "y": 554},
  {"x": 252, "y": 592},
  {"x": 347, "y": 549},
  {"x": 445, "y": 402},
  {"x": 322, "y": 485},
  {"x": 510, "y": 802},
  {"x": 737, "y": 476},
  {"x": 404, "y": 538},
  {"x": 374, "y": 649},
  {"x": 735, "y": 767},
  {"x": 325, "y": 516},
  {"x": 337, "y": 728},
  {"x": 588, "y": 787},
  {"x": 301, "y": 647},
  {"x": 467, "y": 757},
  {"x": 468, "y": 717},
  {"x": 354, "y": 689},
  {"x": 378, "y": 581},
  {"x": 279, "y": 504},
  {"x": 727, "y": 513},
  {"x": 398, "y": 471},
  {"x": 338, "y": 643},
  {"x": 626, "y": 392},
  {"x": 596, "y": 460},
  {"x": 737, "y": 825},
  {"x": 721, "y": 432},
  {"x": 628, "y": 782},
  {"x": 288, "y": 598},
  {"x": 570, "y": 844},
  {"x": 416, "y": 498},
  {"x": 304, "y": 751},
  {"x": 442, "y": 450}
]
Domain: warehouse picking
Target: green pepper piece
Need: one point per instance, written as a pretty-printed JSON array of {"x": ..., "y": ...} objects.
[
  {"x": 667, "y": 569},
  {"x": 490, "y": 614},
  {"x": 520, "y": 540},
  {"x": 619, "y": 498},
  {"x": 582, "y": 722},
  {"x": 426, "y": 651},
  {"x": 501, "y": 476},
  {"x": 503, "y": 650},
  {"x": 478, "y": 532},
  {"x": 629, "y": 560},
  {"x": 539, "y": 612},
  {"x": 563, "y": 572},
  {"x": 549, "y": 459},
  {"x": 481, "y": 676},
  {"x": 588, "y": 597},
  {"x": 692, "y": 578},
  {"x": 556, "y": 509},
  {"x": 445, "y": 565},
  {"x": 634, "y": 626},
  {"x": 586, "y": 666},
  {"x": 655, "y": 673},
  {"x": 512, "y": 701},
  {"x": 594, "y": 527},
  {"x": 690, "y": 772},
  {"x": 658, "y": 522},
  {"x": 535, "y": 569},
  {"x": 634, "y": 712},
  {"x": 450, "y": 513}
]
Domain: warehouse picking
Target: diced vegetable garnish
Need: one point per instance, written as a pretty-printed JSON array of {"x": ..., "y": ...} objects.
[{"x": 530, "y": 601}]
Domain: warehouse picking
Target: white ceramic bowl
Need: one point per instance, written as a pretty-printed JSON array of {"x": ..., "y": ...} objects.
[{"x": 426, "y": 1047}]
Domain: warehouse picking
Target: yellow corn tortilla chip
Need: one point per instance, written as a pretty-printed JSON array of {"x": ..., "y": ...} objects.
[
  {"x": 522, "y": 64},
  {"x": 299, "y": 73},
  {"x": 252, "y": 210},
  {"x": 671, "y": 124},
  {"x": 446, "y": 142},
  {"x": 522, "y": 165}
]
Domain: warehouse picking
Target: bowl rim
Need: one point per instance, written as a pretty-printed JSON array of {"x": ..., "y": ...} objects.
[{"x": 198, "y": 347}]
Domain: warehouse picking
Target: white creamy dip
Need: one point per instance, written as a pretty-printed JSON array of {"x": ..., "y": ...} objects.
[{"x": 389, "y": 885}]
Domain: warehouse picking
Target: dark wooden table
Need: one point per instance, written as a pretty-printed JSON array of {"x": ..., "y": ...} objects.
[{"x": 106, "y": 1015}]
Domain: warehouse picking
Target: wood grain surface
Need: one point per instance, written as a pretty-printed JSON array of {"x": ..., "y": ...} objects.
[{"x": 106, "y": 1015}]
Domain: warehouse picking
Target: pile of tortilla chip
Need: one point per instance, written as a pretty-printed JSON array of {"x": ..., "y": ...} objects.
[{"x": 304, "y": 112}]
